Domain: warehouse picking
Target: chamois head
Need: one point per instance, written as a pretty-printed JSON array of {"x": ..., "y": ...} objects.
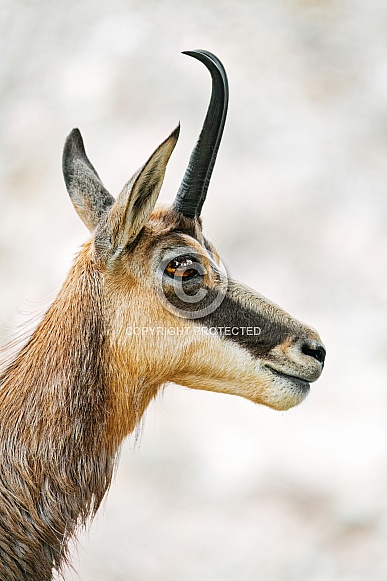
[{"x": 171, "y": 313}]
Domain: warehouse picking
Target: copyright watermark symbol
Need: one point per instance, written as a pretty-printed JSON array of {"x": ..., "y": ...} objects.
[{"x": 181, "y": 287}]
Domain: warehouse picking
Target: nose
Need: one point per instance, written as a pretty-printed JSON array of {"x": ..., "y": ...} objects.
[{"x": 313, "y": 348}]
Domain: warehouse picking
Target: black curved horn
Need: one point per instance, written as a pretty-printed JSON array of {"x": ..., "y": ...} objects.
[{"x": 193, "y": 190}]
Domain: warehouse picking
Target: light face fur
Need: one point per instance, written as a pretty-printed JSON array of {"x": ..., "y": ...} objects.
[{"x": 146, "y": 302}]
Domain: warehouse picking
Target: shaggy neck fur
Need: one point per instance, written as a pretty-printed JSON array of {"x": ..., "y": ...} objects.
[{"x": 57, "y": 449}]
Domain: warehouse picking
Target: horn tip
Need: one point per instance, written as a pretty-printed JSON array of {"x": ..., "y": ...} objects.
[{"x": 193, "y": 53}]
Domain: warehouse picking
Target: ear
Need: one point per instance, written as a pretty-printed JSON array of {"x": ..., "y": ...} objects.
[
  {"x": 136, "y": 202},
  {"x": 87, "y": 193}
]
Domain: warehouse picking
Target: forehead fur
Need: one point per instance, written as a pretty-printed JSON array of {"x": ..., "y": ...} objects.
[{"x": 165, "y": 220}]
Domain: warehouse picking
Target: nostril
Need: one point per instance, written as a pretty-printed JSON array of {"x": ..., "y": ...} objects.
[{"x": 315, "y": 350}]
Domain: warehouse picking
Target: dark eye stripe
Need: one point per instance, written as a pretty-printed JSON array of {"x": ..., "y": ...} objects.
[{"x": 235, "y": 313}]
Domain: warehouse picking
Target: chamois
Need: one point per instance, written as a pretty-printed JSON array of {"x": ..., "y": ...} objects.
[{"x": 81, "y": 382}]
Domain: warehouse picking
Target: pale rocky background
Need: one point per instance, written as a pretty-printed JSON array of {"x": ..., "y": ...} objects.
[{"x": 220, "y": 489}]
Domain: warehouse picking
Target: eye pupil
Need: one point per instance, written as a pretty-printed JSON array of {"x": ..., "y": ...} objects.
[{"x": 178, "y": 267}]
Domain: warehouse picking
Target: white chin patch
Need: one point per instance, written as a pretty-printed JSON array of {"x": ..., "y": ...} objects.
[{"x": 284, "y": 392}]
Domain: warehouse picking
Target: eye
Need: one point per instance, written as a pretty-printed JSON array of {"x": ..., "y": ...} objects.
[{"x": 180, "y": 267}]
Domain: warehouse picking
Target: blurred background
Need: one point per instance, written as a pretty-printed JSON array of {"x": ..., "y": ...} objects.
[{"x": 217, "y": 488}]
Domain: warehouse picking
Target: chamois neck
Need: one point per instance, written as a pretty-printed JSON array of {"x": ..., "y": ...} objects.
[{"x": 56, "y": 452}]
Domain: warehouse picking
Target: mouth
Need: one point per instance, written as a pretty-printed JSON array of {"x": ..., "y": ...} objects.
[{"x": 292, "y": 382}]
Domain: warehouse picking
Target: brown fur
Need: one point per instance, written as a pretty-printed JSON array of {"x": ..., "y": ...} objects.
[{"x": 56, "y": 454}]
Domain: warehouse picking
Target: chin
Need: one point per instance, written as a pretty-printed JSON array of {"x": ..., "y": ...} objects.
[{"x": 282, "y": 392}]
